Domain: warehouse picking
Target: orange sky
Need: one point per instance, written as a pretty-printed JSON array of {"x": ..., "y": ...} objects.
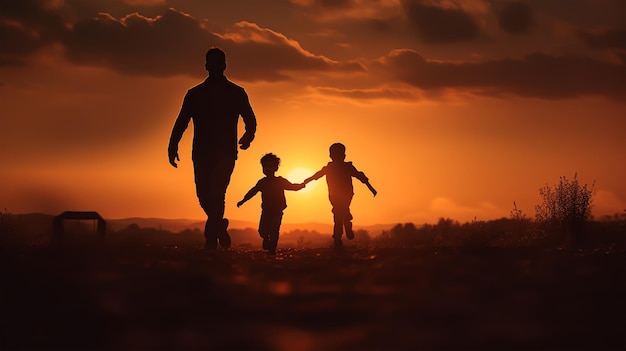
[{"x": 451, "y": 108}]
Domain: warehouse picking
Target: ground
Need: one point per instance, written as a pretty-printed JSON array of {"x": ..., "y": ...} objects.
[{"x": 165, "y": 297}]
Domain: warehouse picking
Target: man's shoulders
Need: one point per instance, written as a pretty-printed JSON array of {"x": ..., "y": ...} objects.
[
  {"x": 205, "y": 84},
  {"x": 196, "y": 88},
  {"x": 234, "y": 86}
]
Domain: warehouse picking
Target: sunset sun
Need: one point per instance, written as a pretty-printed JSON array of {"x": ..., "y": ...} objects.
[{"x": 298, "y": 175}]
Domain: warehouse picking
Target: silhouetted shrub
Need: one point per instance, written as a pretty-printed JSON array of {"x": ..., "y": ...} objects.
[
  {"x": 362, "y": 237},
  {"x": 566, "y": 206},
  {"x": 446, "y": 233}
]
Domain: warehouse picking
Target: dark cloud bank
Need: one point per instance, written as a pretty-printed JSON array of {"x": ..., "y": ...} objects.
[
  {"x": 536, "y": 75},
  {"x": 174, "y": 44},
  {"x": 167, "y": 45}
]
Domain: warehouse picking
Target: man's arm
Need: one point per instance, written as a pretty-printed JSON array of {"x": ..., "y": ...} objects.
[
  {"x": 182, "y": 121},
  {"x": 249, "y": 119}
]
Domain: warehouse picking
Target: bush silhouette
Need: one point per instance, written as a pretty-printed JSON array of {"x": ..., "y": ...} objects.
[{"x": 567, "y": 205}]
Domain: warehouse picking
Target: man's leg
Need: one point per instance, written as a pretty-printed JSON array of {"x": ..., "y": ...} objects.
[{"x": 212, "y": 177}]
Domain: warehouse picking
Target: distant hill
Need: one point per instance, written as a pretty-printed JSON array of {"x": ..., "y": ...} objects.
[{"x": 43, "y": 222}]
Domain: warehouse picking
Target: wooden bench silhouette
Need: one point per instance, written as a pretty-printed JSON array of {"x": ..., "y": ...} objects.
[{"x": 78, "y": 215}]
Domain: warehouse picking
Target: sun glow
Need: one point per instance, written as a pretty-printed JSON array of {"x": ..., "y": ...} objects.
[{"x": 298, "y": 175}]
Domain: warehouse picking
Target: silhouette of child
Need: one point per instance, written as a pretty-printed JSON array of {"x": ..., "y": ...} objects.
[
  {"x": 273, "y": 201},
  {"x": 340, "y": 191}
]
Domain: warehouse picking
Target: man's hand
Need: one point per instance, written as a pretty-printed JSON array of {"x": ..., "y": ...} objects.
[
  {"x": 244, "y": 146},
  {"x": 245, "y": 141},
  {"x": 173, "y": 156}
]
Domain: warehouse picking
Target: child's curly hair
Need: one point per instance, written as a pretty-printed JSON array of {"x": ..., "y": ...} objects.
[{"x": 270, "y": 160}]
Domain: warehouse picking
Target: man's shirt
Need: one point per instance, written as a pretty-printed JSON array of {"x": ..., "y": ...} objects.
[{"x": 215, "y": 106}]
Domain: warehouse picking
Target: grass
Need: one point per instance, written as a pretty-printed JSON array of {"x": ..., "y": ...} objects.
[{"x": 140, "y": 293}]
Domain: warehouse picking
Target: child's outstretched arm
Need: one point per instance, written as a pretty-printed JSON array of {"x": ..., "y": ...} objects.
[
  {"x": 363, "y": 178},
  {"x": 369, "y": 186},
  {"x": 250, "y": 194},
  {"x": 319, "y": 174},
  {"x": 297, "y": 187},
  {"x": 291, "y": 186}
]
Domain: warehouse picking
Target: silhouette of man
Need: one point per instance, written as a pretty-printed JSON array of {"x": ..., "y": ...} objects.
[{"x": 215, "y": 106}]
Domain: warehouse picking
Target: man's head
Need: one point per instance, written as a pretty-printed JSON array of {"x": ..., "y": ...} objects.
[
  {"x": 215, "y": 61},
  {"x": 337, "y": 152},
  {"x": 270, "y": 163}
]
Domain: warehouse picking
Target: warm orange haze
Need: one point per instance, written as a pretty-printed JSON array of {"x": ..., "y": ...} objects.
[
  {"x": 452, "y": 108},
  {"x": 297, "y": 175}
]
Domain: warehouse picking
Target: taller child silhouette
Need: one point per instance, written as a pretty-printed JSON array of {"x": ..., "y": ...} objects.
[
  {"x": 339, "y": 174},
  {"x": 215, "y": 106}
]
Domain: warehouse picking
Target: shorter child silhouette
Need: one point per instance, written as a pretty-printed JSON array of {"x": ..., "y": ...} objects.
[
  {"x": 340, "y": 191},
  {"x": 273, "y": 201}
]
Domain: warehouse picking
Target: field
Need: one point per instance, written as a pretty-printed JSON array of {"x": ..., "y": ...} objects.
[{"x": 160, "y": 296}]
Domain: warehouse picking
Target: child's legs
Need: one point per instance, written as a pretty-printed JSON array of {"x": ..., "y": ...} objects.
[
  {"x": 341, "y": 214},
  {"x": 348, "y": 216},
  {"x": 269, "y": 227},
  {"x": 275, "y": 233},
  {"x": 264, "y": 224}
]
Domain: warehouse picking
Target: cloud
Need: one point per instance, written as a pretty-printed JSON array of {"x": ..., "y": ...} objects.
[
  {"x": 606, "y": 203},
  {"x": 342, "y": 10},
  {"x": 445, "y": 207},
  {"x": 516, "y": 18},
  {"x": 167, "y": 45},
  {"x": 368, "y": 94},
  {"x": 327, "y": 4},
  {"x": 263, "y": 54},
  {"x": 145, "y": 2},
  {"x": 434, "y": 24},
  {"x": 171, "y": 44},
  {"x": 536, "y": 75},
  {"x": 25, "y": 27},
  {"x": 610, "y": 39}
]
